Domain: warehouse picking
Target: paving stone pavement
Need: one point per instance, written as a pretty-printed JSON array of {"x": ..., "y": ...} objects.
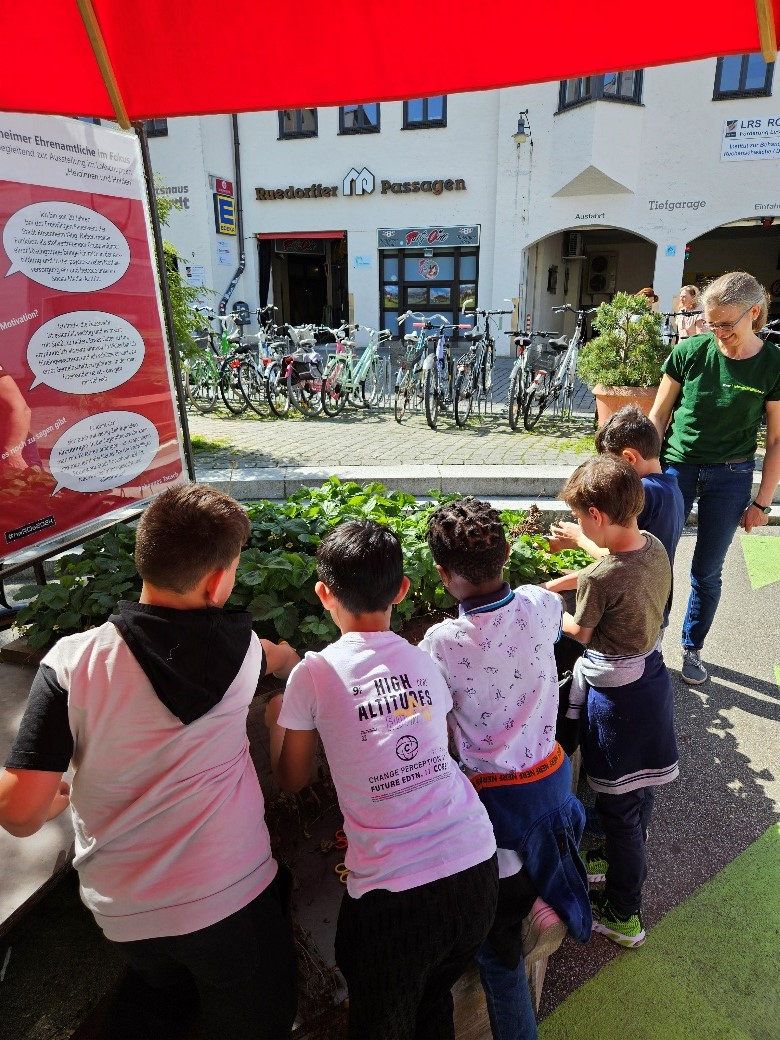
[{"x": 373, "y": 437}]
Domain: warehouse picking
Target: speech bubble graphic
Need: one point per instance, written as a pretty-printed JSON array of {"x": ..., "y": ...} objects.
[
  {"x": 85, "y": 352},
  {"x": 64, "y": 246},
  {"x": 103, "y": 451}
]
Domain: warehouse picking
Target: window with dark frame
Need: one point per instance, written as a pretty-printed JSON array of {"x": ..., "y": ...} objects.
[
  {"x": 297, "y": 122},
  {"x": 425, "y": 112},
  {"x": 742, "y": 75},
  {"x": 359, "y": 119},
  {"x": 156, "y": 127},
  {"x": 624, "y": 87}
]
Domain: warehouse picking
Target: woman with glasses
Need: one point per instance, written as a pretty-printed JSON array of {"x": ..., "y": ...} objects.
[
  {"x": 714, "y": 392},
  {"x": 690, "y": 320}
]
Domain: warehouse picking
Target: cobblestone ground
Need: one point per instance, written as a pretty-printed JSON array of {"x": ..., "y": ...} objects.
[{"x": 373, "y": 437}]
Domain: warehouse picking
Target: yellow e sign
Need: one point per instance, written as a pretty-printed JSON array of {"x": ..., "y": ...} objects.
[{"x": 225, "y": 214}]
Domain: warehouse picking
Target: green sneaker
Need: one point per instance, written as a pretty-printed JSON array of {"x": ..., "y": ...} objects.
[
  {"x": 595, "y": 861},
  {"x": 623, "y": 931}
]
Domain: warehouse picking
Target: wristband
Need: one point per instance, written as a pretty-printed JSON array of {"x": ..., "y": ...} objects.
[{"x": 766, "y": 510}]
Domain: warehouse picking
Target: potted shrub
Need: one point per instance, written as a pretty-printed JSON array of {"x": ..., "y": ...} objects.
[{"x": 622, "y": 363}]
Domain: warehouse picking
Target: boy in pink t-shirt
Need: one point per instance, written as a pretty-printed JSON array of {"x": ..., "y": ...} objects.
[{"x": 423, "y": 882}]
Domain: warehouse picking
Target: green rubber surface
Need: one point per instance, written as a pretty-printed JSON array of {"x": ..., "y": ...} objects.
[
  {"x": 707, "y": 971},
  {"x": 762, "y": 559}
]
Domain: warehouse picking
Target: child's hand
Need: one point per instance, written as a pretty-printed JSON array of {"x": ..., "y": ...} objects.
[
  {"x": 280, "y": 658},
  {"x": 566, "y": 535},
  {"x": 60, "y": 801}
]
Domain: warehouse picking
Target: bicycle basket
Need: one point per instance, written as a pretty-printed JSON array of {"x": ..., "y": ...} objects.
[
  {"x": 540, "y": 357},
  {"x": 306, "y": 366}
]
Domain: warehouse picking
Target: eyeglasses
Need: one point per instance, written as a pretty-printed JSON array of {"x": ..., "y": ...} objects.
[{"x": 727, "y": 326}]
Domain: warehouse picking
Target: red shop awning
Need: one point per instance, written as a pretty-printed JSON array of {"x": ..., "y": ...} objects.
[
  {"x": 164, "y": 59},
  {"x": 299, "y": 234}
]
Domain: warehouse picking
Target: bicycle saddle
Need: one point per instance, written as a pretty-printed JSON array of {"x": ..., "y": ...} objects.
[
  {"x": 474, "y": 335},
  {"x": 559, "y": 344}
]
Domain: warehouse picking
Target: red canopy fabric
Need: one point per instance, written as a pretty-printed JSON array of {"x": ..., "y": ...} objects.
[{"x": 201, "y": 56}]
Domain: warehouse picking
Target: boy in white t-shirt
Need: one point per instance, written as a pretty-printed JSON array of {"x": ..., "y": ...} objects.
[
  {"x": 423, "y": 882},
  {"x": 498, "y": 660}
]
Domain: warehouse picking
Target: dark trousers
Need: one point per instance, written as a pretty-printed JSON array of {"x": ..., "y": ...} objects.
[
  {"x": 401, "y": 953},
  {"x": 625, "y": 819},
  {"x": 241, "y": 969}
]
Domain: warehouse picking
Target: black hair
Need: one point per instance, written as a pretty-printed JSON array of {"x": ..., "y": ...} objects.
[
  {"x": 467, "y": 538},
  {"x": 362, "y": 564},
  {"x": 188, "y": 532},
  {"x": 629, "y": 428}
]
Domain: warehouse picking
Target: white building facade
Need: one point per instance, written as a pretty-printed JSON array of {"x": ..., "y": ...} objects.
[{"x": 655, "y": 177}]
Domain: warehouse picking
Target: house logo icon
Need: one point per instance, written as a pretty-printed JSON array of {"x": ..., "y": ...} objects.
[{"x": 358, "y": 182}]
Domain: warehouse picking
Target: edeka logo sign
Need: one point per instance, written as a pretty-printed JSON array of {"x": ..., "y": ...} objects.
[{"x": 360, "y": 182}]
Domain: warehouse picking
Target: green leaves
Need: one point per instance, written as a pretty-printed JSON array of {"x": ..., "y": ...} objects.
[
  {"x": 277, "y": 572},
  {"x": 629, "y": 348}
]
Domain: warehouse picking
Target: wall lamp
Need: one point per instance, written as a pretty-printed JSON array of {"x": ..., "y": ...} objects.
[{"x": 523, "y": 132}]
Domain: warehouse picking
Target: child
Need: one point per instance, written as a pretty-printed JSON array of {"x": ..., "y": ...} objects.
[
  {"x": 498, "y": 660},
  {"x": 628, "y": 741},
  {"x": 629, "y": 434},
  {"x": 422, "y": 885},
  {"x": 173, "y": 854}
]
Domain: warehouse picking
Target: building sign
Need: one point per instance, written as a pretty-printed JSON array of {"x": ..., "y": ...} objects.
[
  {"x": 314, "y": 246},
  {"x": 224, "y": 214},
  {"x": 757, "y": 138},
  {"x": 358, "y": 182},
  {"x": 434, "y": 187},
  {"x": 223, "y": 187},
  {"x": 673, "y": 204},
  {"x": 178, "y": 194},
  {"x": 428, "y": 238},
  {"x": 87, "y": 420}
]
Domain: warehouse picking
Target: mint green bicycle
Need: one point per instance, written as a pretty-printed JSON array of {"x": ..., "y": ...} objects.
[{"x": 360, "y": 381}]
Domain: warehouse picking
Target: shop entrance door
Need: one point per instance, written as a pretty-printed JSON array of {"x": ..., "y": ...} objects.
[{"x": 308, "y": 289}]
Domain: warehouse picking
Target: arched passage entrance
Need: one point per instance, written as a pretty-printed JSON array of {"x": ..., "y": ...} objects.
[
  {"x": 583, "y": 267},
  {"x": 751, "y": 244}
]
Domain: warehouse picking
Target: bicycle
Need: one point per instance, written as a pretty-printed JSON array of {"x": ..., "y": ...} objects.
[
  {"x": 553, "y": 365},
  {"x": 409, "y": 378},
  {"x": 346, "y": 380},
  {"x": 253, "y": 371},
  {"x": 439, "y": 370},
  {"x": 212, "y": 369},
  {"x": 474, "y": 379}
]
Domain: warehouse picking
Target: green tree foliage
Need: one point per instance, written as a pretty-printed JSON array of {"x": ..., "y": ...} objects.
[
  {"x": 184, "y": 297},
  {"x": 629, "y": 348}
]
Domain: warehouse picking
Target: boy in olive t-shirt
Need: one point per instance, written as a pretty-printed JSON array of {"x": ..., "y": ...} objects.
[{"x": 627, "y": 730}]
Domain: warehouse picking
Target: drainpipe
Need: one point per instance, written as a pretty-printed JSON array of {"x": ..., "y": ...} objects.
[{"x": 239, "y": 218}]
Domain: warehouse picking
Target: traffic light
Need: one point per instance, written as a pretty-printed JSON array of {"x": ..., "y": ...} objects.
[{"x": 687, "y": 251}]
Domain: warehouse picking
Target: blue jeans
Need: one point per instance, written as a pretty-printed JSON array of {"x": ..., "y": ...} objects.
[
  {"x": 625, "y": 819},
  {"x": 724, "y": 492},
  {"x": 507, "y": 996}
]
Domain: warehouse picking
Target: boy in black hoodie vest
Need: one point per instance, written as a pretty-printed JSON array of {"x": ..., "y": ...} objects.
[{"x": 173, "y": 854}]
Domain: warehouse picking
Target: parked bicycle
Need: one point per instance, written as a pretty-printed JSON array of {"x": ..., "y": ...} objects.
[
  {"x": 295, "y": 378},
  {"x": 213, "y": 368},
  {"x": 253, "y": 369},
  {"x": 439, "y": 369},
  {"x": 474, "y": 371},
  {"x": 409, "y": 379},
  {"x": 552, "y": 364},
  {"x": 360, "y": 382}
]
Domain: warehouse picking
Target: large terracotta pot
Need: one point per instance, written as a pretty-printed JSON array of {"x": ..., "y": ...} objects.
[{"x": 610, "y": 399}]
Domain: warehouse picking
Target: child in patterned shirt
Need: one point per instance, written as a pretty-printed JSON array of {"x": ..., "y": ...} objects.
[{"x": 498, "y": 660}]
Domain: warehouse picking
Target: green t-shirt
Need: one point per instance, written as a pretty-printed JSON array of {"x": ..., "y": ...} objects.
[{"x": 721, "y": 401}]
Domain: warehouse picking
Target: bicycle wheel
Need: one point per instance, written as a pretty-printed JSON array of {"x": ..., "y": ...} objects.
[
  {"x": 276, "y": 390},
  {"x": 464, "y": 396},
  {"x": 517, "y": 391},
  {"x": 334, "y": 382},
  {"x": 200, "y": 384},
  {"x": 250, "y": 383},
  {"x": 229, "y": 390},
  {"x": 402, "y": 396},
  {"x": 305, "y": 394},
  {"x": 535, "y": 400},
  {"x": 431, "y": 396},
  {"x": 370, "y": 388}
]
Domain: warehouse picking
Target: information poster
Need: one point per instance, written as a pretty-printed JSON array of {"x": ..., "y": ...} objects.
[
  {"x": 87, "y": 416},
  {"x": 754, "y": 138}
]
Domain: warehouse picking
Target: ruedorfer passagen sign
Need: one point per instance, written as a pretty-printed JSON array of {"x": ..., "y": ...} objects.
[{"x": 359, "y": 183}]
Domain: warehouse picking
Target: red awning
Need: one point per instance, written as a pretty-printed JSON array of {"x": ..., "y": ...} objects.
[
  {"x": 299, "y": 234},
  {"x": 200, "y": 57}
]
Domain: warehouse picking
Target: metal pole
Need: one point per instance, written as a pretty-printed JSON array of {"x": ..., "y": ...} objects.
[{"x": 166, "y": 298}]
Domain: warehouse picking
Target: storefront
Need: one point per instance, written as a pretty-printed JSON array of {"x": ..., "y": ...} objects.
[
  {"x": 431, "y": 270},
  {"x": 305, "y": 275}
]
